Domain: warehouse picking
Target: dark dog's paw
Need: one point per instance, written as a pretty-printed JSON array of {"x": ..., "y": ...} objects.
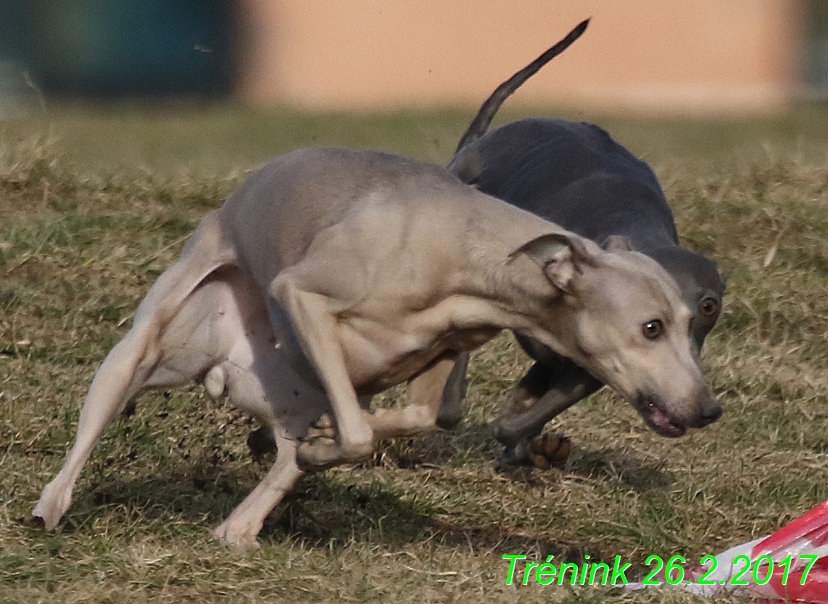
[
  {"x": 550, "y": 450},
  {"x": 543, "y": 452},
  {"x": 516, "y": 456}
]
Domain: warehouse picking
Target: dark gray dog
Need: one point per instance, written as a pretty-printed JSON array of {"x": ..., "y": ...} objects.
[{"x": 576, "y": 175}]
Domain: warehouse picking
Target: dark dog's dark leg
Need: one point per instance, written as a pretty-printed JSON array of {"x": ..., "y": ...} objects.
[
  {"x": 451, "y": 408},
  {"x": 520, "y": 426},
  {"x": 525, "y": 394},
  {"x": 540, "y": 395}
]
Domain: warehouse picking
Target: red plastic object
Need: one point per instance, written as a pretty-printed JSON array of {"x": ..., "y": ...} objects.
[
  {"x": 808, "y": 534},
  {"x": 798, "y": 551}
]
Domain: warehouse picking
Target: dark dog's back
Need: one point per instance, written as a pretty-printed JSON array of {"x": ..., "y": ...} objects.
[{"x": 574, "y": 174}]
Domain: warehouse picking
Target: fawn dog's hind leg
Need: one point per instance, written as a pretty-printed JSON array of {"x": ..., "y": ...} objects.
[{"x": 126, "y": 368}]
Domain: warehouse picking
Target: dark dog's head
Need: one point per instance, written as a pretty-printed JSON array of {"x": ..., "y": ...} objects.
[{"x": 701, "y": 284}]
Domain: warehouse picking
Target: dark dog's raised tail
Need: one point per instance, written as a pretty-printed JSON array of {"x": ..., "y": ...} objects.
[{"x": 490, "y": 107}]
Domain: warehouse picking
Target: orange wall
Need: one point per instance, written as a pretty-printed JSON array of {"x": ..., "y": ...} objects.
[{"x": 687, "y": 56}]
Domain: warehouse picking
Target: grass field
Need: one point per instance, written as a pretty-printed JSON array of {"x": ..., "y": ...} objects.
[{"x": 95, "y": 202}]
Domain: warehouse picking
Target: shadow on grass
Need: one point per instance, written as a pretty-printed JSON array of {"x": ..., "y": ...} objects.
[
  {"x": 615, "y": 465},
  {"x": 328, "y": 514},
  {"x": 321, "y": 512},
  {"x": 476, "y": 443}
]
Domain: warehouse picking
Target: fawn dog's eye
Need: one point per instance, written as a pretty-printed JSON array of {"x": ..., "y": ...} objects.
[{"x": 653, "y": 329}]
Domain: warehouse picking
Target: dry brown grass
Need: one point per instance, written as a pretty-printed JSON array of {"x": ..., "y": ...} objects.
[{"x": 97, "y": 203}]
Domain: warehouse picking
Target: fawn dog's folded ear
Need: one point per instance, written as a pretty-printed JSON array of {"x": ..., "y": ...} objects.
[{"x": 561, "y": 256}]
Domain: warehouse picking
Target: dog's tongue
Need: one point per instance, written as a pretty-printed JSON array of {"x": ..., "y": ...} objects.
[{"x": 663, "y": 424}]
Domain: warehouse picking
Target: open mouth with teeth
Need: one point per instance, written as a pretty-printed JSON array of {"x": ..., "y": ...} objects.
[{"x": 656, "y": 418}]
